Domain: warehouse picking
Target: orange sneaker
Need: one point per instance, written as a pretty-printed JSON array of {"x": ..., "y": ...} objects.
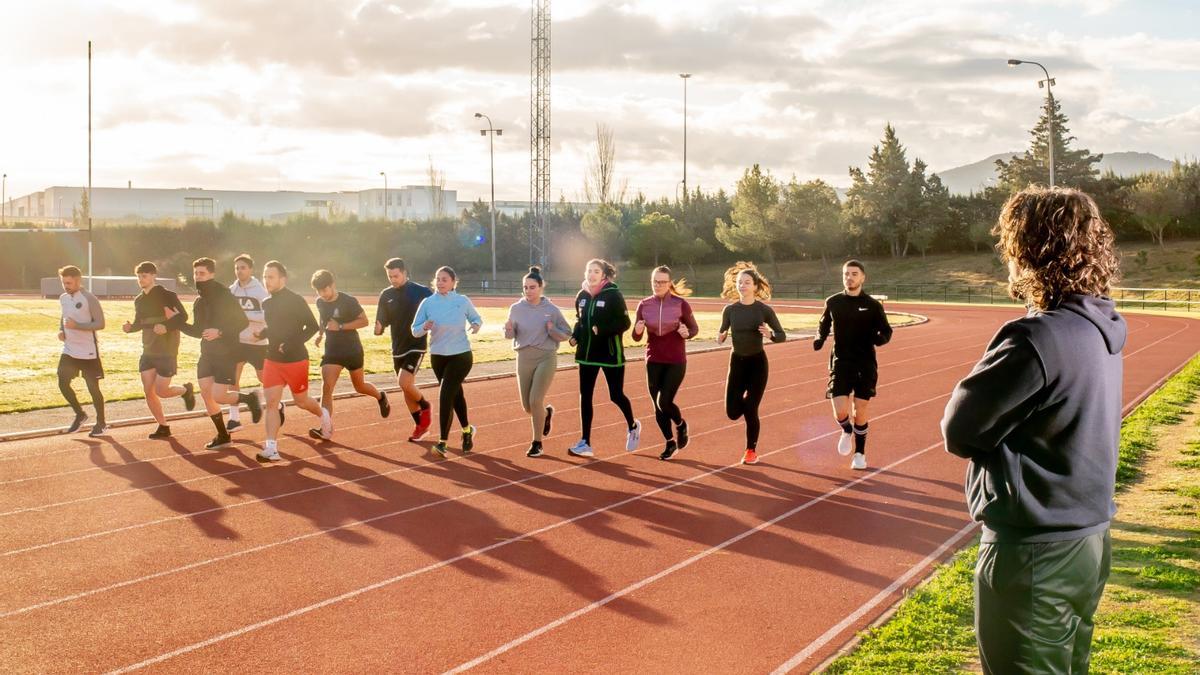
[{"x": 751, "y": 457}]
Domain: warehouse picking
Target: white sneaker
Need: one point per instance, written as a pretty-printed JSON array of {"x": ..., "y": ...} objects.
[
  {"x": 580, "y": 449},
  {"x": 268, "y": 455},
  {"x": 634, "y": 437},
  {"x": 859, "y": 462},
  {"x": 845, "y": 444}
]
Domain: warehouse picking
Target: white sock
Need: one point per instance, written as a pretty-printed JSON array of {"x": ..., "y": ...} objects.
[
  {"x": 326, "y": 421},
  {"x": 234, "y": 413},
  {"x": 269, "y": 445}
]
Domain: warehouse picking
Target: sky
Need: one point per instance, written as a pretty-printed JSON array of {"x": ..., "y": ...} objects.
[{"x": 268, "y": 94}]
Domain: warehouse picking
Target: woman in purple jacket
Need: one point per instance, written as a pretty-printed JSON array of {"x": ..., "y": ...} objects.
[{"x": 666, "y": 320}]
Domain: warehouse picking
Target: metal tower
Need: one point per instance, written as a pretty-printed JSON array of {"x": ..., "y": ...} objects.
[{"x": 539, "y": 134}]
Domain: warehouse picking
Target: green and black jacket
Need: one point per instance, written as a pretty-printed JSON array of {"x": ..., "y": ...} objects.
[{"x": 606, "y": 311}]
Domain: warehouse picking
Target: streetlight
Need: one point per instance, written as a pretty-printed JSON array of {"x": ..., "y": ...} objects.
[
  {"x": 385, "y": 199},
  {"x": 684, "y": 77},
  {"x": 1044, "y": 84},
  {"x": 492, "y": 133}
]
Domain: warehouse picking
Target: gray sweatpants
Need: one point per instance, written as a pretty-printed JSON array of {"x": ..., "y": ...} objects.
[{"x": 535, "y": 372}]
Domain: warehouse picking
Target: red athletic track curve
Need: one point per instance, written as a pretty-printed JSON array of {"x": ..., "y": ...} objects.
[{"x": 369, "y": 554}]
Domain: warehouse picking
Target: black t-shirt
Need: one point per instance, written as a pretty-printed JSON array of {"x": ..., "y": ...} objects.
[
  {"x": 343, "y": 309},
  {"x": 148, "y": 310},
  {"x": 397, "y": 307},
  {"x": 859, "y": 325},
  {"x": 290, "y": 324},
  {"x": 742, "y": 322}
]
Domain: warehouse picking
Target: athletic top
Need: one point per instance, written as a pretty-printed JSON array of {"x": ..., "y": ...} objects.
[
  {"x": 664, "y": 344},
  {"x": 216, "y": 308},
  {"x": 343, "y": 309},
  {"x": 148, "y": 309},
  {"x": 397, "y": 307},
  {"x": 529, "y": 325},
  {"x": 290, "y": 324},
  {"x": 251, "y": 297},
  {"x": 859, "y": 325},
  {"x": 450, "y": 314},
  {"x": 742, "y": 321},
  {"x": 84, "y": 309},
  {"x": 600, "y": 320}
]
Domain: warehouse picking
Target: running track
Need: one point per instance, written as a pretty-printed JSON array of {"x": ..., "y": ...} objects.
[{"x": 368, "y": 554}]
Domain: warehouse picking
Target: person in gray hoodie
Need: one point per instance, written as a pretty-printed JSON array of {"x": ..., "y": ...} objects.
[
  {"x": 536, "y": 327},
  {"x": 1039, "y": 420}
]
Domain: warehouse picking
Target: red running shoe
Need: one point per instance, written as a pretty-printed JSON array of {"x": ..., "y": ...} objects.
[
  {"x": 751, "y": 457},
  {"x": 423, "y": 426}
]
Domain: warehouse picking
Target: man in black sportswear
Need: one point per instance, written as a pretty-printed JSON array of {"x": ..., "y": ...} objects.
[
  {"x": 397, "y": 306},
  {"x": 160, "y": 344}
]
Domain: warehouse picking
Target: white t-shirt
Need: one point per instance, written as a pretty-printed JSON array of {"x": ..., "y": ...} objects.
[
  {"x": 251, "y": 297},
  {"x": 84, "y": 309}
]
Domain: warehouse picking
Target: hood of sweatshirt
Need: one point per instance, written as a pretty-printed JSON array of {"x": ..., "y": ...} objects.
[{"x": 1102, "y": 313}]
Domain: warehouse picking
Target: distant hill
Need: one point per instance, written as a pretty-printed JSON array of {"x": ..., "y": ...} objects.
[{"x": 978, "y": 175}]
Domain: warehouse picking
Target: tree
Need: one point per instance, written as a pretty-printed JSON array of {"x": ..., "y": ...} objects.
[
  {"x": 879, "y": 199},
  {"x": 812, "y": 212},
  {"x": 928, "y": 213},
  {"x": 437, "y": 185},
  {"x": 602, "y": 226},
  {"x": 1158, "y": 202},
  {"x": 1072, "y": 168},
  {"x": 653, "y": 236},
  {"x": 599, "y": 184},
  {"x": 754, "y": 221}
]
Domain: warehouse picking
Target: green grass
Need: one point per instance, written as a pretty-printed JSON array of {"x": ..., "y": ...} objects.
[
  {"x": 29, "y": 351},
  {"x": 1147, "y": 622}
]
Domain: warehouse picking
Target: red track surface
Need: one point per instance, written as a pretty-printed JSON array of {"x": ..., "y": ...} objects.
[{"x": 369, "y": 554}]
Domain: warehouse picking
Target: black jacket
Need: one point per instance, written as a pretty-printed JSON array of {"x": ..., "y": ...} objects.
[
  {"x": 216, "y": 308},
  {"x": 1040, "y": 419},
  {"x": 859, "y": 325},
  {"x": 607, "y": 313},
  {"x": 290, "y": 324}
]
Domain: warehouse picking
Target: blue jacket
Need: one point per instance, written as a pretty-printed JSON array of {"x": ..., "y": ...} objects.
[{"x": 451, "y": 313}]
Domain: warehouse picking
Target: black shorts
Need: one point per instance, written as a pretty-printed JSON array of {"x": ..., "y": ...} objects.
[
  {"x": 410, "y": 362},
  {"x": 255, "y": 355},
  {"x": 347, "y": 361},
  {"x": 846, "y": 381},
  {"x": 219, "y": 368},
  {"x": 165, "y": 366},
  {"x": 71, "y": 368}
]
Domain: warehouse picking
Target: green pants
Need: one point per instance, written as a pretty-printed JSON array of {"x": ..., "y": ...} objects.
[
  {"x": 535, "y": 372},
  {"x": 1034, "y": 604}
]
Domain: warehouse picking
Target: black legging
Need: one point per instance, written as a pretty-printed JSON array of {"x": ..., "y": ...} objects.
[
  {"x": 450, "y": 372},
  {"x": 747, "y": 380},
  {"x": 664, "y": 380},
  {"x": 615, "y": 377},
  {"x": 93, "y": 387}
]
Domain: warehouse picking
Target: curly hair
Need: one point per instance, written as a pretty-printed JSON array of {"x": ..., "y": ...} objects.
[
  {"x": 1060, "y": 244},
  {"x": 762, "y": 287}
]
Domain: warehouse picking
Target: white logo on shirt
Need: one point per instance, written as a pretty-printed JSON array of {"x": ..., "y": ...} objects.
[
  {"x": 862, "y": 309},
  {"x": 600, "y": 303}
]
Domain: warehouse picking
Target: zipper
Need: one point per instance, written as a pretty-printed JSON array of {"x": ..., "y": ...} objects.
[{"x": 591, "y": 308}]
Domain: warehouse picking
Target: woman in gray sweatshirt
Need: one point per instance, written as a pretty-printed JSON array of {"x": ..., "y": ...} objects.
[{"x": 536, "y": 328}]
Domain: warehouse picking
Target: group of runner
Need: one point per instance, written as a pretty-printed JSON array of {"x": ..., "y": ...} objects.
[{"x": 267, "y": 325}]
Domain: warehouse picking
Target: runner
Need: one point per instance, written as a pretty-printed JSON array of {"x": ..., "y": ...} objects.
[
  {"x": 81, "y": 317},
  {"x": 290, "y": 324},
  {"x": 250, "y": 294},
  {"x": 217, "y": 318},
  {"x": 397, "y": 306},
  {"x": 666, "y": 320},
  {"x": 445, "y": 316},
  {"x": 749, "y": 320},
  {"x": 859, "y": 326},
  {"x": 340, "y": 318},
  {"x": 160, "y": 345},
  {"x": 536, "y": 328},
  {"x": 601, "y": 319}
]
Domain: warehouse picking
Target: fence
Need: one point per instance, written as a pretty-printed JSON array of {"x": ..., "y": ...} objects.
[{"x": 1179, "y": 299}]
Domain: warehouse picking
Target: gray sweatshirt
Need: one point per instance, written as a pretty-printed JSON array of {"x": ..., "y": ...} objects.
[{"x": 529, "y": 325}]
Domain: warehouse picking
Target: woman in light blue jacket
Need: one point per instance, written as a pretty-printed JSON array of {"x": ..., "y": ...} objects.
[{"x": 446, "y": 316}]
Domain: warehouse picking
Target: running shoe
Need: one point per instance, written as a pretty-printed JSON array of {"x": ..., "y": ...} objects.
[
  {"x": 634, "y": 437},
  {"x": 859, "y": 462},
  {"x": 751, "y": 457},
  {"x": 580, "y": 449},
  {"x": 549, "y": 416},
  {"x": 468, "y": 439},
  {"x": 319, "y": 435},
  {"x": 255, "y": 406},
  {"x": 535, "y": 449},
  {"x": 669, "y": 451},
  {"x": 268, "y": 455},
  {"x": 233, "y": 425},
  {"x": 189, "y": 396},
  {"x": 422, "y": 427},
  {"x": 163, "y": 431},
  {"x": 100, "y": 429},
  {"x": 681, "y": 433},
  {"x": 845, "y": 443},
  {"x": 80, "y": 420},
  {"x": 385, "y": 408},
  {"x": 218, "y": 441},
  {"x": 440, "y": 448}
]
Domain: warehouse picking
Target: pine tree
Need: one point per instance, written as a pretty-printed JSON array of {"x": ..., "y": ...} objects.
[{"x": 1072, "y": 168}]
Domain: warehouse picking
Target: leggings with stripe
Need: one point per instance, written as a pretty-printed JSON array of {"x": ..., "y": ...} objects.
[
  {"x": 615, "y": 377},
  {"x": 744, "y": 387}
]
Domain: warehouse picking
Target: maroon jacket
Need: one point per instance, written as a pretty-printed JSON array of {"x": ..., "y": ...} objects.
[{"x": 663, "y": 342}]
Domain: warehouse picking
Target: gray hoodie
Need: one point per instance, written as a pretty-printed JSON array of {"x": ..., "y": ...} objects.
[
  {"x": 529, "y": 325},
  {"x": 1039, "y": 418}
]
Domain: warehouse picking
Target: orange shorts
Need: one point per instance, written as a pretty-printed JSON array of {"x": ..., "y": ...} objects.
[{"x": 294, "y": 375}]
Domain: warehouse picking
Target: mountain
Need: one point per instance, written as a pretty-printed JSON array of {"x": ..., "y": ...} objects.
[{"x": 978, "y": 175}]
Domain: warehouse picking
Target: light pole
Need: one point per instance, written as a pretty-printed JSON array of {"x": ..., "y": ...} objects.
[
  {"x": 4, "y": 201},
  {"x": 492, "y": 133},
  {"x": 385, "y": 199},
  {"x": 684, "y": 77},
  {"x": 1047, "y": 84}
]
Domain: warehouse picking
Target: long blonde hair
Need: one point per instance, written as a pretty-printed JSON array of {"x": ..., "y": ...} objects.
[
  {"x": 678, "y": 286},
  {"x": 762, "y": 287}
]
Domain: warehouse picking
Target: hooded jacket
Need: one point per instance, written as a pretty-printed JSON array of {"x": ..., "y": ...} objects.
[
  {"x": 216, "y": 308},
  {"x": 600, "y": 320},
  {"x": 1039, "y": 418}
]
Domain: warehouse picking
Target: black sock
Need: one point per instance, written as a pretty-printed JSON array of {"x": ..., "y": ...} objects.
[
  {"x": 219, "y": 423},
  {"x": 423, "y": 404},
  {"x": 846, "y": 426},
  {"x": 860, "y": 439},
  {"x": 416, "y": 417}
]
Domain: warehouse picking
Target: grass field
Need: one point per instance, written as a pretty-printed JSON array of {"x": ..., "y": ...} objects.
[
  {"x": 29, "y": 351},
  {"x": 1149, "y": 619}
]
